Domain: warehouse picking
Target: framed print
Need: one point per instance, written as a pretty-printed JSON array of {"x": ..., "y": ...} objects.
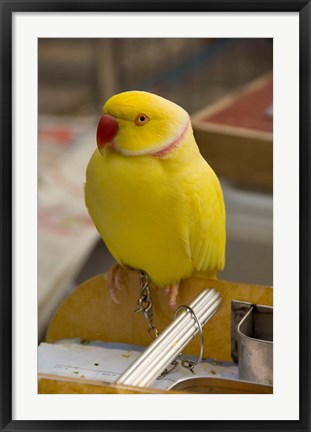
[{"x": 242, "y": 71}]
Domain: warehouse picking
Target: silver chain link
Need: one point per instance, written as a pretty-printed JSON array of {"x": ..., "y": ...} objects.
[{"x": 144, "y": 304}]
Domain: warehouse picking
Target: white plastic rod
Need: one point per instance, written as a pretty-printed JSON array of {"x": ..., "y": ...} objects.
[{"x": 163, "y": 350}]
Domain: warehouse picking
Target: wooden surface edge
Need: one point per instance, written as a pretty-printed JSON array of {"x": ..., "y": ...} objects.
[
  {"x": 229, "y": 98},
  {"x": 51, "y": 383},
  {"x": 206, "y": 126}
]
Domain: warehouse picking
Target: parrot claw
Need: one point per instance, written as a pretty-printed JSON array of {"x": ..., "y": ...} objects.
[
  {"x": 115, "y": 281},
  {"x": 172, "y": 291}
]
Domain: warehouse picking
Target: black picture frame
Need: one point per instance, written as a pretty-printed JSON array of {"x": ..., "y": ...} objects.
[{"x": 7, "y": 9}]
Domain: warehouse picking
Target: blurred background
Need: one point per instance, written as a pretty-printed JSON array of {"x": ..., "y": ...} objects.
[{"x": 224, "y": 84}]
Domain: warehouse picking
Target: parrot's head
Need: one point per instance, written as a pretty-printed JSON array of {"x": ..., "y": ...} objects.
[{"x": 140, "y": 123}]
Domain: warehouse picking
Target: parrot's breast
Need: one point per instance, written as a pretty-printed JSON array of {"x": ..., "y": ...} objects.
[{"x": 141, "y": 214}]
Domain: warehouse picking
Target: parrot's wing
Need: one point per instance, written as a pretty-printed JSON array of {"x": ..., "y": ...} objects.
[{"x": 207, "y": 233}]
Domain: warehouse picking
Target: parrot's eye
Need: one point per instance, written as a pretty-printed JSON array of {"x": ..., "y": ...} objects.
[{"x": 141, "y": 119}]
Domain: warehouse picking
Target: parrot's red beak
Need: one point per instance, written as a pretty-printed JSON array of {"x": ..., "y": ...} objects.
[{"x": 106, "y": 130}]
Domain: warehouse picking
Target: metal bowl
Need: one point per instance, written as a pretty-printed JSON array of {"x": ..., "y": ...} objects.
[{"x": 206, "y": 385}]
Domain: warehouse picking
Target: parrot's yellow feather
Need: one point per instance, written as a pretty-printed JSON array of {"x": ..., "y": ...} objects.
[{"x": 158, "y": 210}]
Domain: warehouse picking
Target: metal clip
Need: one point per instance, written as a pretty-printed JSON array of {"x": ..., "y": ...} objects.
[
  {"x": 188, "y": 364},
  {"x": 167, "y": 371}
]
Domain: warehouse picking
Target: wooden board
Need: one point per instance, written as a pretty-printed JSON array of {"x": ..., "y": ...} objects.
[
  {"x": 89, "y": 313},
  {"x": 55, "y": 384}
]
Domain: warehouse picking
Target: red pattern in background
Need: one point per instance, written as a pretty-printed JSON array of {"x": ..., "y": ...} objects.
[
  {"x": 58, "y": 135},
  {"x": 248, "y": 111}
]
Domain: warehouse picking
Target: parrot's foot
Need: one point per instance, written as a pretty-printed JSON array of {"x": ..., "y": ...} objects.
[
  {"x": 172, "y": 291},
  {"x": 116, "y": 280}
]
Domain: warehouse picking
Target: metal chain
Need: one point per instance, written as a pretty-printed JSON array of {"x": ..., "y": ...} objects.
[{"x": 144, "y": 304}]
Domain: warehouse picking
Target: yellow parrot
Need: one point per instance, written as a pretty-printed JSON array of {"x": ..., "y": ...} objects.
[{"x": 154, "y": 199}]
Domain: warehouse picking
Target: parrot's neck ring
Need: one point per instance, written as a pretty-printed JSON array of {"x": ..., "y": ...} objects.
[
  {"x": 169, "y": 147},
  {"x": 159, "y": 152}
]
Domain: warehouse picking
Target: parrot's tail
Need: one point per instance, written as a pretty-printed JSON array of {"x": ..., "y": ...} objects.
[{"x": 212, "y": 274}]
